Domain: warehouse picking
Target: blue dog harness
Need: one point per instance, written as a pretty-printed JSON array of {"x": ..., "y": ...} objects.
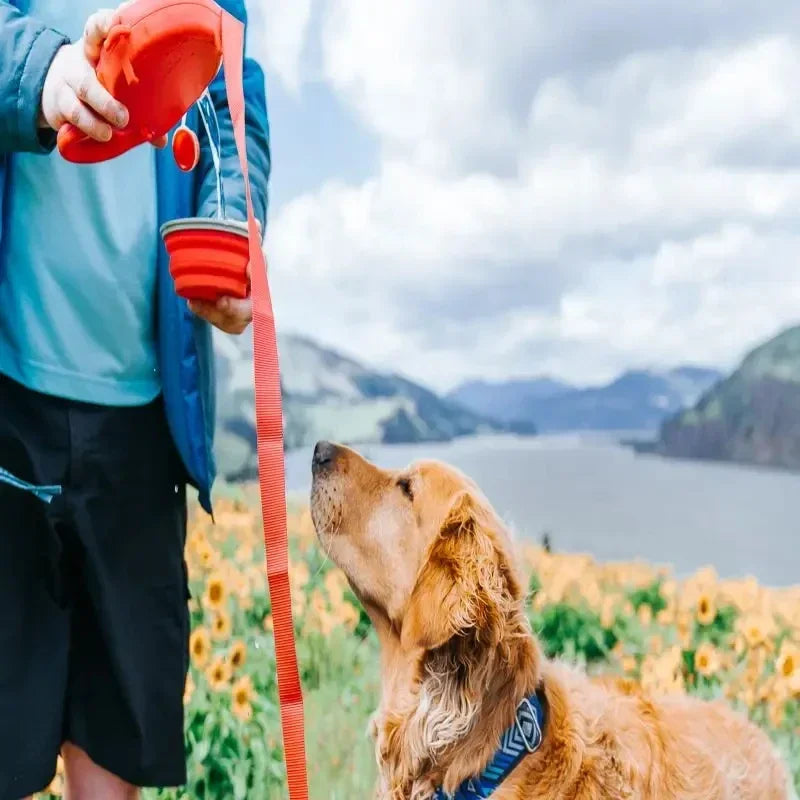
[{"x": 521, "y": 738}]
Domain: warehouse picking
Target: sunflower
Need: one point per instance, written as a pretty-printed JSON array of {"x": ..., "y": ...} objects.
[
  {"x": 241, "y": 587},
  {"x": 206, "y": 555},
  {"x": 242, "y": 698},
  {"x": 347, "y": 615},
  {"x": 628, "y": 664},
  {"x": 319, "y": 604},
  {"x": 188, "y": 689},
  {"x": 706, "y": 609},
  {"x": 756, "y": 628},
  {"x": 200, "y": 647},
  {"x": 540, "y": 600},
  {"x": 326, "y": 623},
  {"x": 56, "y": 787},
  {"x": 666, "y": 616},
  {"x": 787, "y": 666},
  {"x": 244, "y": 553},
  {"x": 662, "y": 673},
  {"x": 299, "y": 574},
  {"x": 706, "y": 660},
  {"x": 221, "y": 626},
  {"x": 776, "y": 712},
  {"x": 237, "y": 655},
  {"x": 218, "y": 674},
  {"x": 608, "y": 612},
  {"x": 216, "y": 593},
  {"x": 655, "y": 644},
  {"x": 335, "y": 584}
]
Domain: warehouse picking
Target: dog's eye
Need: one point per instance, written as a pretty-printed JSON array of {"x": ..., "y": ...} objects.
[{"x": 405, "y": 486}]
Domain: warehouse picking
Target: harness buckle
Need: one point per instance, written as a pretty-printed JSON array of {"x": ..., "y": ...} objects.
[{"x": 526, "y": 706}]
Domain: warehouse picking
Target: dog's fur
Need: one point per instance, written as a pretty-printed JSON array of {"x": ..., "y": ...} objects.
[{"x": 432, "y": 564}]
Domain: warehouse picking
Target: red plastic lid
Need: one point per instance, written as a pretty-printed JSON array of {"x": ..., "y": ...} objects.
[{"x": 158, "y": 59}]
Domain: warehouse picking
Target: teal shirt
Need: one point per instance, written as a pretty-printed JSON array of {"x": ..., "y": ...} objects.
[{"x": 80, "y": 249}]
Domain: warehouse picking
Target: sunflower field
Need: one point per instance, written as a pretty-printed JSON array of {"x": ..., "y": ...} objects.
[{"x": 731, "y": 639}]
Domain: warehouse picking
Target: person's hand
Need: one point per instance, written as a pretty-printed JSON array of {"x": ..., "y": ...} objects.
[
  {"x": 229, "y": 314},
  {"x": 72, "y": 91}
]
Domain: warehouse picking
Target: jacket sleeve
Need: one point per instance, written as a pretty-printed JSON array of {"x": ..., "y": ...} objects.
[
  {"x": 27, "y": 49},
  {"x": 257, "y": 135}
]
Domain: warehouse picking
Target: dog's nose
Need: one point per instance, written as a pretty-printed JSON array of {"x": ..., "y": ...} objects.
[{"x": 324, "y": 456}]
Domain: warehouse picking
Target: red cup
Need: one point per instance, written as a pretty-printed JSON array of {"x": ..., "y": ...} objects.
[{"x": 208, "y": 257}]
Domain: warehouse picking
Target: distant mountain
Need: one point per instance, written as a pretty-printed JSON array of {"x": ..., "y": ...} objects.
[
  {"x": 752, "y": 417},
  {"x": 507, "y": 401},
  {"x": 638, "y": 400},
  {"x": 327, "y": 395}
]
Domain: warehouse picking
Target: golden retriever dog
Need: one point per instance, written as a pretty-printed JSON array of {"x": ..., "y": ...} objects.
[{"x": 432, "y": 564}]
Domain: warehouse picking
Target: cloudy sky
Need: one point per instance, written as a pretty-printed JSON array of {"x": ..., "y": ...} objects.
[{"x": 512, "y": 187}]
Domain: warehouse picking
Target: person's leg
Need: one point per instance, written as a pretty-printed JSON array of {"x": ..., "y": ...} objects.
[
  {"x": 130, "y": 632},
  {"x": 34, "y": 595},
  {"x": 86, "y": 780}
]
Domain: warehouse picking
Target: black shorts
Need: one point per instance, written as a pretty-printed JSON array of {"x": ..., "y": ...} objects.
[{"x": 94, "y": 622}]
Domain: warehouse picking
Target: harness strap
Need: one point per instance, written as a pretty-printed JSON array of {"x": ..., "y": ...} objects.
[
  {"x": 269, "y": 427},
  {"x": 522, "y": 738}
]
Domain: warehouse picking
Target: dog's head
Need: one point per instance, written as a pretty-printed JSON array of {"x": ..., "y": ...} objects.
[{"x": 421, "y": 546}]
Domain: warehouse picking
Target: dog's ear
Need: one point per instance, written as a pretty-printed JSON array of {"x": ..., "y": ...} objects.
[{"x": 464, "y": 587}]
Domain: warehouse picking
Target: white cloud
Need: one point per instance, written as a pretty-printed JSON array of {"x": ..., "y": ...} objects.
[
  {"x": 277, "y": 34},
  {"x": 572, "y": 188}
]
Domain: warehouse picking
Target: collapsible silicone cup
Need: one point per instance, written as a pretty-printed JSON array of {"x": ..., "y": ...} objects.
[
  {"x": 208, "y": 258},
  {"x": 157, "y": 60}
]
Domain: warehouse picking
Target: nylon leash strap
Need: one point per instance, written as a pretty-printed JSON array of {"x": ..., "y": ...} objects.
[{"x": 269, "y": 427}]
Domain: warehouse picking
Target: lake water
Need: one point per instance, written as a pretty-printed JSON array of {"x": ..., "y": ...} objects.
[{"x": 594, "y": 495}]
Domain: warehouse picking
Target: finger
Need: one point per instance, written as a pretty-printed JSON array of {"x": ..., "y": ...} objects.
[
  {"x": 93, "y": 94},
  {"x": 208, "y": 311},
  {"x": 229, "y": 314},
  {"x": 74, "y": 111},
  {"x": 238, "y": 312},
  {"x": 236, "y": 307},
  {"x": 160, "y": 142},
  {"x": 95, "y": 33}
]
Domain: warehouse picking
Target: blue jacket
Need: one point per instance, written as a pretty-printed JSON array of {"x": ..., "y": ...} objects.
[{"x": 184, "y": 341}]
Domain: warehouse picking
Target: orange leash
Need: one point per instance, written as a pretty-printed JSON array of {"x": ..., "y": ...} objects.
[{"x": 269, "y": 426}]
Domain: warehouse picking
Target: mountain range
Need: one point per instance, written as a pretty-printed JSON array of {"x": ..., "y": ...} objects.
[
  {"x": 327, "y": 395},
  {"x": 638, "y": 400},
  {"x": 752, "y": 417}
]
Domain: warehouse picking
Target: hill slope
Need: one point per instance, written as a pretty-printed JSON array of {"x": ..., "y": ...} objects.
[
  {"x": 752, "y": 417},
  {"x": 328, "y": 395}
]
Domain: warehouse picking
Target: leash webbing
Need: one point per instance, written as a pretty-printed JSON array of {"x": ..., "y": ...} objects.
[{"x": 269, "y": 427}]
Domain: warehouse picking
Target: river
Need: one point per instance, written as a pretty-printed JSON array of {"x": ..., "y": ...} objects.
[{"x": 592, "y": 495}]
